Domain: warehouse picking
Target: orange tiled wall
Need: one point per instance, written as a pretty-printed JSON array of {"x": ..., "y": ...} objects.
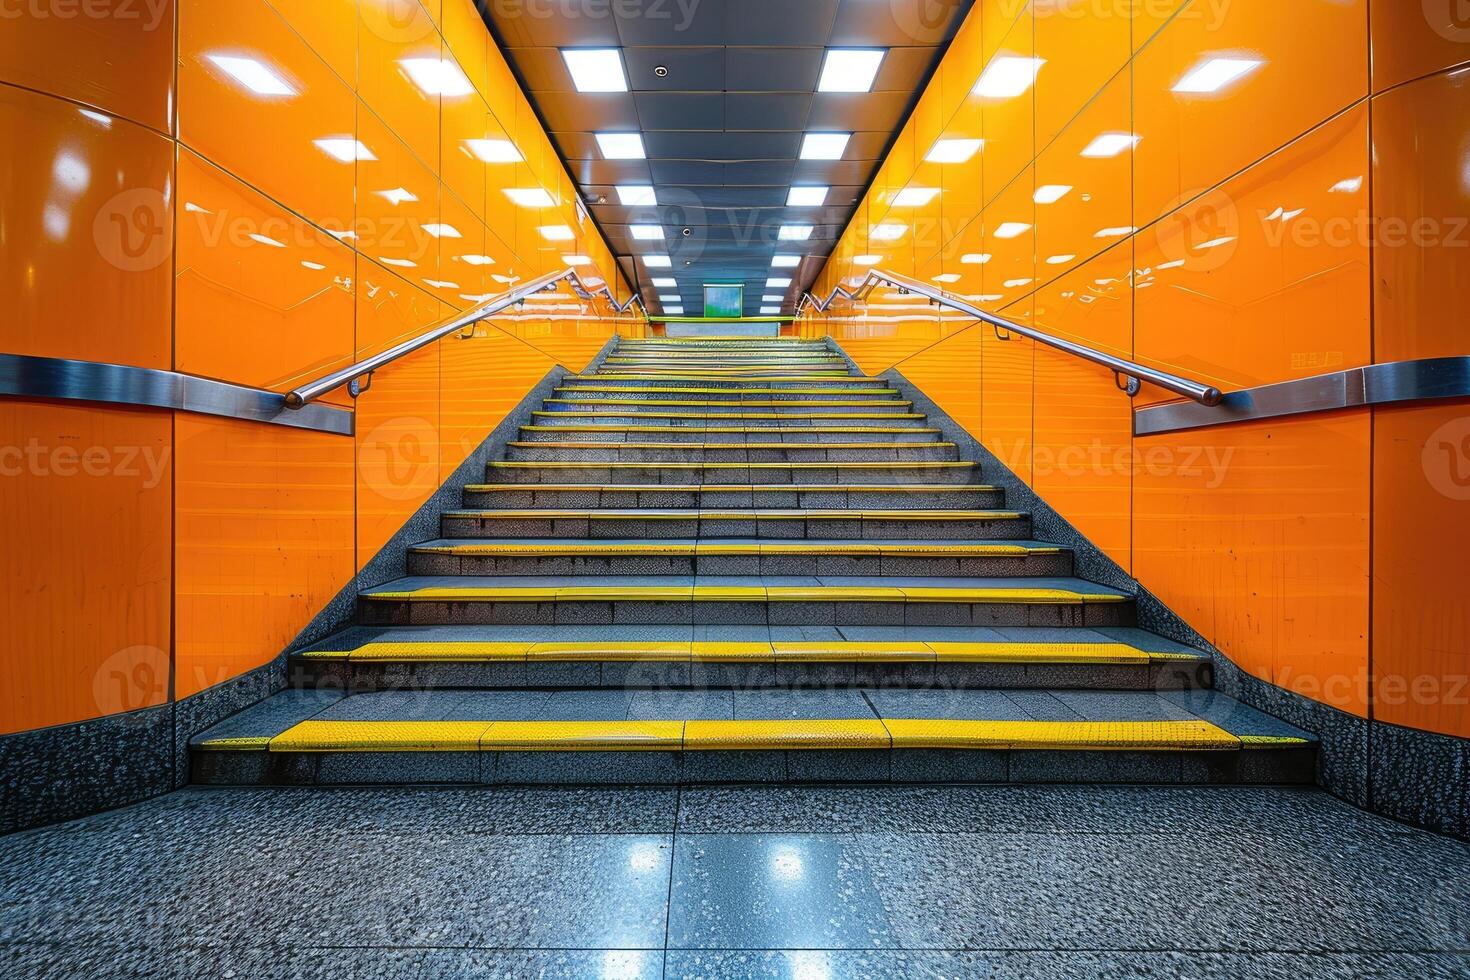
[
  {"x": 256, "y": 191},
  {"x": 1137, "y": 198}
]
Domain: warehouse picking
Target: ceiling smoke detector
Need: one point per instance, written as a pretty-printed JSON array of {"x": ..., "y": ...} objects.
[{"x": 661, "y": 71}]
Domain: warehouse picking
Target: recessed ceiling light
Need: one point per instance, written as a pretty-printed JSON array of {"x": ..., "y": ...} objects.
[
  {"x": 596, "y": 69},
  {"x": 888, "y": 231},
  {"x": 1012, "y": 229},
  {"x": 785, "y": 261},
  {"x": 664, "y": 282},
  {"x": 669, "y": 299},
  {"x": 777, "y": 282},
  {"x": 658, "y": 261},
  {"x": 397, "y": 196},
  {"x": 1060, "y": 259},
  {"x": 475, "y": 259},
  {"x": 850, "y": 69},
  {"x": 621, "y": 146},
  {"x": 867, "y": 259},
  {"x": 529, "y": 197},
  {"x": 1214, "y": 74},
  {"x": 824, "y": 146},
  {"x": 947, "y": 277},
  {"x": 807, "y": 197},
  {"x": 576, "y": 260},
  {"x": 443, "y": 231},
  {"x": 636, "y": 195},
  {"x": 1051, "y": 193},
  {"x": 1007, "y": 77},
  {"x": 773, "y": 299},
  {"x": 674, "y": 310},
  {"x": 254, "y": 75},
  {"x": 646, "y": 233},
  {"x": 1110, "y": 145},
  {"x": 344, "y": 149},
  {"x": 953, "y": 151},
  {"x": 770, "y": 311},
  {"x": 794, "y": 233},
  {"x": 495, "y": 151},
  {"x": 915, "y": 197},
  {"x": 974, "y": 258},
  {"x": 557, "y": 233},
  {"x": 437, "y": 76}
]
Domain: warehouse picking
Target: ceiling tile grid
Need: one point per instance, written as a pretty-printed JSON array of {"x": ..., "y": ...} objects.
[{"x": 723, "y": 94}]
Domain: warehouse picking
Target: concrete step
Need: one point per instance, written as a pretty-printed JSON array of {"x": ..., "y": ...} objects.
[
  {"x": 866, "y": 735},
  {"x": 748, "y": 658},
  {"x": 735, "y": 433},
  {"x": 723, "y": 406},
  {"x": 605, "y": 472},
  {"x": 747, "y": 417},
  {"x": 728, "y": 452},
  {"x": 748, "y": 556},
  {"x": 742, "y": 600},
  {"x": 767, "y": 379},
  {"x": 742, "y": 393}
]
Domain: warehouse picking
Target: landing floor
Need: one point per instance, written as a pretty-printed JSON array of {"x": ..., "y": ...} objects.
[{"x": 1002, "y": 882}]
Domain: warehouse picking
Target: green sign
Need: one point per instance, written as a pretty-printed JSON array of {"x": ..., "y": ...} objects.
[{"x": 724, "y": 300}]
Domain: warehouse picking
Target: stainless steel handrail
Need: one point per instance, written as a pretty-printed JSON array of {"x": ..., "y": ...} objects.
[
  {"x": 1134, "y": 373},
  {"x": 306, "y": 394}
]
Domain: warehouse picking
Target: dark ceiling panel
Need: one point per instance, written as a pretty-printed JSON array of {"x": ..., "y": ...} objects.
[{"x": 723, "y": 125}]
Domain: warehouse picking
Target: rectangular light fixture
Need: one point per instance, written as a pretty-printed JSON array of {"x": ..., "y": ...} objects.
[
  {"x": 344, "y": 149},
  {"x": 576, "y": 260},
  {"x": 953, "y": 150},
  {"x": 664, "y": 282},
  {"x": 974, "y": 258},
  {"x": 776, "y": 282},
  {"x": 1012, "y": 229},
  {"x": 529, "y": 197},
  {"x": 256, "y": 76},
  {"x": 785, "y": 261},
  {"x": 637, "y": 195},
  {"x": 646, "y": 233},
  {"x": 850, "y": 69},
  {"x": 1215, "y": 74},
  {"x": 867, "y": 259},
  {"x": 1110, "y": 145},
  {"x": 773, "y": 299},
  {"x": 1007, "y": 77},
  {"x": 1051, "y": 193},
  {"x": 824, "y": 146},
  {"x": 888, "y": 231},
  {"x": 794, "y": 233},
  {"x": 674, "y": 310},
  {"x": 670, "y": 299},
  {"x": 621, "y": 146},
  {"x": 807, "y": 197},
  {"x": 915, "y": 197},
  {"x": 436, "y": 76},
  {"x": 443, "y": 231},
  {"x": 658, "y": 262},
  {"x": 770, "y": 311},
  {"x": 557, "y": 233},
  {"x": 494, "y": 151},
  {"x": 596, "y": 69}
]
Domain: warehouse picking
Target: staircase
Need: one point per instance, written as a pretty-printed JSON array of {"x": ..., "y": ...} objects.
[{"x": 735, "y": 560}]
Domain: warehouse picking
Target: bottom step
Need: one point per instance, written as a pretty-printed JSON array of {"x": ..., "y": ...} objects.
[{"x": 835, "y": 736}]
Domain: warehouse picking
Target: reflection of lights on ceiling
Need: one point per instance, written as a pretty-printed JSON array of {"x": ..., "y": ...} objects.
[
  {"x": 254, "y": 75},
  {"x": 443, "y": 231},
  {"x": 888, "y": 232},
  {"x": 1215, "y": 243},
  {"x": 314, "y": 266},
  {"x": 1177, "y": 263},
  {"x": 437, "y": 76},
  {"x": 1283, "y": 215},
  {"x": 474, "y": 259},
  {"x": 1051, "y": 193},
  {"x": 397, "y": 196},
  {"x": 399, "y": 263},
  {"x": 1111, "y": 145},
  {"x": 441, "y": 284},
  {"x": 1007, "y": 77},
  {"x": 1012, "y": 229},
  {"x": 867, "y": 259},
  {"x": 265, "y": 240},
  {"x": 786, "y": 863},
  {"x": 947, "y": 277},
  {"x": 1350, "y": 186},
  {"x": 953, "y": 150},
  {"x": 344, "y": 149},
  {"x": 70, "y": 173},
  {"x": 495, "y": 151},
  {"x": 975, "y": 258},
  {"x": 1215, "y": 74},
  {"x": 529, "y": 197},
  {"x": 915, "y": 197},
  {"x": 1115, "y": 232},
  {"x": 1017, "y": 283},
  {"x": 1060, "y": 259},
  {"x": 576, "y": 260},
  {"x": 557, "y": 233}
]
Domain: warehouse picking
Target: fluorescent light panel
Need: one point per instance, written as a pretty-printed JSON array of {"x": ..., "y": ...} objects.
[
  {"x": 785, "y": 261},
  {"x": 807, "y": 197},
  {"x": 596, "y": 69},
  {"x": 646, "y": 233},
  {"x": 795, "y": 233},
  {"x": 850, "y": 69},
  {"x": 636, "y": 195},
  {"x": 824, "y": 146},
  {"x": 621, "y": 146}
]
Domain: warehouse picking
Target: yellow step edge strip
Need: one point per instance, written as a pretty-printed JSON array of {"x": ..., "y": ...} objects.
[
  {"x": 678, "y": 549},
  {"x": 702, "y": 651},
  {"x": 601, "y": 389},
  {"x": 773, "y": 416},
  {"x": 706, "y": 447},
  {"x": 733, "y": 403},
  {"x": 905, "y": 488},
  {"x": 736, "y": 515},
  {"x": 755, "y": 593},
  {"x": 746, "y": 430},
  {"x": 757, "y": 735},
  {"x": 613, "y": 464}
]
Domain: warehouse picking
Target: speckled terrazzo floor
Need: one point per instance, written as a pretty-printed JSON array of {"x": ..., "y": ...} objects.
[{"x": 815, "y": 884}]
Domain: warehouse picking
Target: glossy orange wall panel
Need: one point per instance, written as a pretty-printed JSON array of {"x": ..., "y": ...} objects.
[
  {"x": 87, "y": 234},
  {"x": 295, "y": 140},
  {"x": 1421, "y": 204},
  {"x": 1257, "y": 535},
  {"x": 264, "y": 298},
  {"x": 264, "y": 523},
  {"x": 331, "y": 206},
  {"x": 85, "y": 514},
  {"x": 116, "y": 55},
  {"x": 1243, "y": 154},
  {"x": 1421, "y": 617}
]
